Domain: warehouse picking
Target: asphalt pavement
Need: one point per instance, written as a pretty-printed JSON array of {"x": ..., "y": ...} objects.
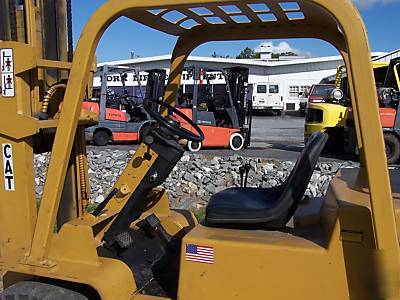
[{"x": 286, "y": 129}]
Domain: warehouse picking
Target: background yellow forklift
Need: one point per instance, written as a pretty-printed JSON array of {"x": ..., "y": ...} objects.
[
  {"x": 133, "y": 246},
  {"x": 334, "y": 116}
]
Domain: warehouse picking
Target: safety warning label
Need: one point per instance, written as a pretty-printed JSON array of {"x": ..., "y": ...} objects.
[
  {"x": 7, "y": 73},
  {"x": 8, "y": 167}
]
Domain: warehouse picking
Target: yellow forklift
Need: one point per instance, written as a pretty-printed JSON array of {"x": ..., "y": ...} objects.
[
  {"x": 254, "y": 243},
  {"x": 333, "y": 115}
]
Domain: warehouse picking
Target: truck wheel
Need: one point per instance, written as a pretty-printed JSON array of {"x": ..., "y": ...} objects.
[
  {"x": 30, "y": 290},
  {"x": 236, "y": 141},
  {"x": 194, "y": 146},
  {"x": 392, "y": 145},
  {"x": 101, "y": 138}
]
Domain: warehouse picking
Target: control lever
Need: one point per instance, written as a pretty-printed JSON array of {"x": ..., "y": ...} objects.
[
  {"x": 148, "y": 140},
  {"x": 244, "y": 174},
  {"x": 103, "y": 204}
]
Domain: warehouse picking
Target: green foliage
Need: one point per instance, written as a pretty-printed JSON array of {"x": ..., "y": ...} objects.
[
  {"x": 248, "y": 53},
  {"x": 277, "y": 55},
  {"x": 200, "y": 214},
  {"x": 91, "y": 207},
  {"x": 216, "y": 55}
]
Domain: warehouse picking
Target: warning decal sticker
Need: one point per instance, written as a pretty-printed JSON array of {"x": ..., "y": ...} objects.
[
  {"x": 7, "y": 73},
  {"x": 8, "y": 167}
]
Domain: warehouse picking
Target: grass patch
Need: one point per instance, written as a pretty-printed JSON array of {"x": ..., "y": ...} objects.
[
  {"x": 91, "y": 207},
  {"x": 200, "y": 214}
]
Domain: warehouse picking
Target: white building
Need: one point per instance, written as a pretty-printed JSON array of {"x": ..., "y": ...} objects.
[
  {"x": 388, "y": 56},
  {"x": 292, "y": 76}
]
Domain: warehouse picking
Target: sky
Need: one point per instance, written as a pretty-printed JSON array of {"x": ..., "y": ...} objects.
[{"x": 125, "y": 36}]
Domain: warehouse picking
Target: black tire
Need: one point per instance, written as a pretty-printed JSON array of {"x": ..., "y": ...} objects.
[
  {"x": 29, "y": 290},
  {"x": 101, "y": 138},
  {"x": 392, "y": 145},
  {"x": 194, "y": 146},
  {"x": 237, "y": 141}
]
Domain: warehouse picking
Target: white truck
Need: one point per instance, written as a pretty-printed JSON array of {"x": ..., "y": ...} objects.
[{"x": 267, "y": 97}]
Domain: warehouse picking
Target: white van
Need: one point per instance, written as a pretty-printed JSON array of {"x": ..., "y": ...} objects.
[{"x": 267, "y": 97}]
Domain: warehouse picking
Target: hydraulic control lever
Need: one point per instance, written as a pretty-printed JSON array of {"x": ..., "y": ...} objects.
[
  {"x": 244, "y": 174},
  {"x": 103, "y": 204},
  {"x": 148, "y": 140}
]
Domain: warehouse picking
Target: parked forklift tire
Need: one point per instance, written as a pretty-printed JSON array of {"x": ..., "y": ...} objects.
[
  {"x": 236, "y": 141},
  {"x": 29, "y": 290},
  {"x": 101, "y": 138},
  {"x": 194, "y": 146},
  {"x": 392, "y": 145}
]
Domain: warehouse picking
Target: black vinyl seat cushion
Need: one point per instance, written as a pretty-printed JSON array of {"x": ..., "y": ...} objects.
[
  {"x": 267, "y": 207},
  {"x": 245, "y": 204}
]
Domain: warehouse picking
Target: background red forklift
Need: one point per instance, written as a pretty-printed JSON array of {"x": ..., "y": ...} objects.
[
  {"x": 222, "y": 112},
  {"x": 122, "y": 117},
  {"x": 389, "y": 98}
]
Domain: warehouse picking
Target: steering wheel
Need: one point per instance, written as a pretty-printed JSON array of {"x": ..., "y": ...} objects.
[{"x": 172, "y": 125}]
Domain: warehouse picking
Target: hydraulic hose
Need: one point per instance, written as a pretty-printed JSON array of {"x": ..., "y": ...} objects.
[
  {"x": 339, "y": 77},
  {"x": 48, "y": 97},
  {"x": 82, "y": 169}
]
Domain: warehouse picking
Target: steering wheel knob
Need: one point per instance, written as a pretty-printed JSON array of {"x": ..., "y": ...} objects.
[{"x": 171, "y": 123}]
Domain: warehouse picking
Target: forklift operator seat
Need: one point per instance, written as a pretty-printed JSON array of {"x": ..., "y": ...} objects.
[{"x": 269, "y": 208}]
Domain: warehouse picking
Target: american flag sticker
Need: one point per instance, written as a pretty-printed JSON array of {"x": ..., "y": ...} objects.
[{"x": 202, "y": 254}]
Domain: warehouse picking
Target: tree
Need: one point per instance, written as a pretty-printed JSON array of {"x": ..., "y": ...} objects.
[
  {"x": 277, "y": 55},
  {"x": 216, "y": 55},
  {"x": 248, "y": 53}
]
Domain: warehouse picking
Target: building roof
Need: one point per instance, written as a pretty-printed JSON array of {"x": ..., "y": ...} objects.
[
  {"x": 388, "y": 56},
  {"x": 222, "y": 60}
]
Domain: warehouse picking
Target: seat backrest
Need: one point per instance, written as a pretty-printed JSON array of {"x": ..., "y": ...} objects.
[{"x": 296, "y": 184}]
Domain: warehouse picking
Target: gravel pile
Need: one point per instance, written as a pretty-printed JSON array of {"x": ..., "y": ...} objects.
[{"x": 195, "y": 178}]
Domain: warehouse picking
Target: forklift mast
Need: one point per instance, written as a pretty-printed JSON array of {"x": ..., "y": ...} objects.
[
  {"x": 40, "y": 32},
  {"x": 237, "y": 80},
  {"x": 43, "y": 24},
  {"x": 156, "y": 83}
]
